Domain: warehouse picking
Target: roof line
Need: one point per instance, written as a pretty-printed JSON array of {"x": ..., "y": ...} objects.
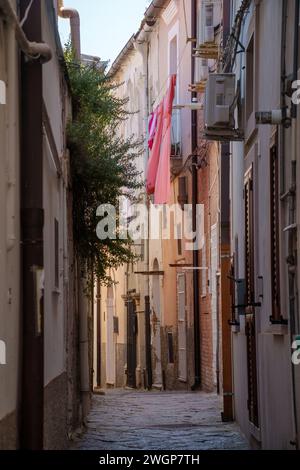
[{"x": 150, "y": 18}]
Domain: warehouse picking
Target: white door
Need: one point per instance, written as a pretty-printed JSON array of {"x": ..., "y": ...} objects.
[{"x": 182, "y": 355}]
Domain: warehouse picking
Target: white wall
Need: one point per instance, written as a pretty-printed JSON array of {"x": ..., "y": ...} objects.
[
  {"x": 273, "y": 350},
  {"x": 9, "y": 227}
]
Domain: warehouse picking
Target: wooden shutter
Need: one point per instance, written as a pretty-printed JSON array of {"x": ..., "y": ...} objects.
[
  {"x": 274, "y": 229},
  {"x": 250, "y": 299},
  {"x": 56, "y": 253},
  {"x": 249, "y": 239}
]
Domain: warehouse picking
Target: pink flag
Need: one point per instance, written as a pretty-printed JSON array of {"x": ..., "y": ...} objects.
[
  {"x": 162, "y": 183},
  {"x": 152, "y": 128},
  {"x": 155, "y": 152}
]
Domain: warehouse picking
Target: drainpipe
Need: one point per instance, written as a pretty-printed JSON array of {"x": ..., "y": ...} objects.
[
  {"x": 33, "y": 50},
  {"x": 225, "y": 258},
  {"x": 283, "y": 90},
  {"x": 32, "y": 226},
  {"x": 194, "y": 134},
  {"x": 141, "y": 44},
  {"x": 73, "y": 16}
]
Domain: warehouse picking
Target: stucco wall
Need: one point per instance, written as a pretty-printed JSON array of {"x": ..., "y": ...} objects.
[
  {"x": 273, "y": 351},
  {"x": 9, "y": 238}
]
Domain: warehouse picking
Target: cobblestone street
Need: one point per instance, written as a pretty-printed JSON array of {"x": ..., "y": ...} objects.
[{"x": 131, "y": 420}]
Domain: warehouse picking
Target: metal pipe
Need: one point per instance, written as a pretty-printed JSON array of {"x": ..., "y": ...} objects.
[
  {"x": 33, "y": 50},
  {"x": 73, "y": 16},
  {"x": 282, "y": 99},
  {"x": 32, "y": 240},
  {"x": 194, "y": 141}
]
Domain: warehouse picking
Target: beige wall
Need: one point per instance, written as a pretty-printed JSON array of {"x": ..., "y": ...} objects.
[{"x": 9, "y": 234}]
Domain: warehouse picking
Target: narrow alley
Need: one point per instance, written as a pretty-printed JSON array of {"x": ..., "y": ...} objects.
[
  {"x": 136, "y": 420},
  {"x": 150, "y": 229}
]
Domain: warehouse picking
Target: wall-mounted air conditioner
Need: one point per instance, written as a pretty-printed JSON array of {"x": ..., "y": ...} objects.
[{"x": 220, "y": 101}]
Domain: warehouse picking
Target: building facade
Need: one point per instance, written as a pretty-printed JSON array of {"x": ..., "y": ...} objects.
[
  {"x": 41, "y": 388},
  {"x": 264, "y": 227}
]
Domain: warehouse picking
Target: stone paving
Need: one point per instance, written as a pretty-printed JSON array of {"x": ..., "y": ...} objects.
[{"x": 134, "y": 420}]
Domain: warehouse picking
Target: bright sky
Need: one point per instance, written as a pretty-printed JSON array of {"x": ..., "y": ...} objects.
[{"x": 106, "y": 25}]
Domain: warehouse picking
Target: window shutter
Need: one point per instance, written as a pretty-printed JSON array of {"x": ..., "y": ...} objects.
[
  {"x": 56, "y": 253},
  {"x": 274, "y": 228},
  {"x": 249, "y": 241},
  {"x": 250, "y": 299}
]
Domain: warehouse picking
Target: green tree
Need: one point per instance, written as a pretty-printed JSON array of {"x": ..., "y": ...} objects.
[{"x": 102, "y": 164}]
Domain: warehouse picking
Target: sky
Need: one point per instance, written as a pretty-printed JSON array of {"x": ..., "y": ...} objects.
[{"x": 106, "y": 25}]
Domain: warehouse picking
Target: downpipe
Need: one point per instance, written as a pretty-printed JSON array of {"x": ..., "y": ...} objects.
[
  {"x": 73, "y": 16},
  {"x": 32, "y": 50}
]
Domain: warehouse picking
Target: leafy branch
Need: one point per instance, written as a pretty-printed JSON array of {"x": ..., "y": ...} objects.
[{"x": 102, "y": 164}]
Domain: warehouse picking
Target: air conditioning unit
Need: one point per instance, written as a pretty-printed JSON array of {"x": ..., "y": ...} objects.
[{"x": 219, "y": 108}]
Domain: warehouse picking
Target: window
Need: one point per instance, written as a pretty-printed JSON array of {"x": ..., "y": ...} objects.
[
  {"x": 56, "y": 253},
  {"x": 274, "y": 228},
  {"x": 170, "y": 348},
  {"x": 250, "y": 79},
  {"x": 179, "y": 239},
  {"x": 116, "y": 324},
  {"x": 250, "y": 327}
]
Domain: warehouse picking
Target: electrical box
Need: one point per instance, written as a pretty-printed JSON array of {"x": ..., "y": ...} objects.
[{"x": 219, "y": 101}]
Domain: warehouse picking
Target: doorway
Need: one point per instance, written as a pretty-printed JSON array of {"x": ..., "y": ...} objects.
[{"x": 131, "y": 343}]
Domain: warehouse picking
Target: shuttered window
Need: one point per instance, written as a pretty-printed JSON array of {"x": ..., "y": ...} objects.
[
  {"x": 274, "y": 228},
  {"x": 249, "y": 242},
  {"x": 56, "y": 253},
  {"x": 250, "y": 328}
]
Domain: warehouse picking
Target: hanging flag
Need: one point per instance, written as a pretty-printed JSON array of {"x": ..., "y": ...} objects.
[
  {"x": 155, "y": 152},
  {"x": 152, "y": 128},
  {"x": 163, "y": 183}
]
